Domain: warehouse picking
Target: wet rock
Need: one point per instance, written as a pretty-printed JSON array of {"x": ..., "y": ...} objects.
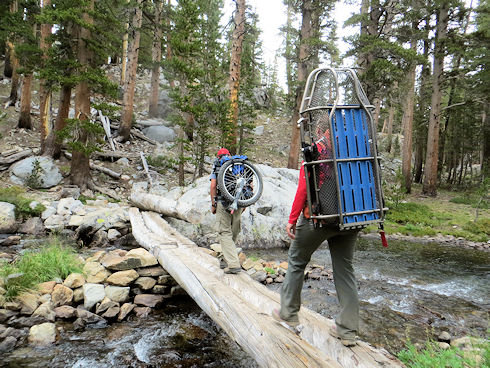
[
  {"x": 65, "y": 311},
  {"x": 27, "y": 321},
  {"x": 125, "y": 309},
  {"x": 104, "y": 305},
  {"x": 43, "y": 334},
  {"x": 142, "y": 312},
  {"x": 148, "y": 300},
  {"x": 8, "y": 344},
  {"x": 151, "y": 271},
  {"x": 89, "y": 317}
]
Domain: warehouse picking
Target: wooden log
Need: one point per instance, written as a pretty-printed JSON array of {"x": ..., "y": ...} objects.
[
  {"x": 242, "y": 306},
  {"x": 15, "y": 157},
  {"x": 165, "y": 206},
  {"x": 102, "y": 169}
]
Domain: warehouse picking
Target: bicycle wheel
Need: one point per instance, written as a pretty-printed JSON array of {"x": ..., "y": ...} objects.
[{"x": 230, "y": 177}]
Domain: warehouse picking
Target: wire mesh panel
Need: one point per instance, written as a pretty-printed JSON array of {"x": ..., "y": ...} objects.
[{"x": 340, "y": 151}]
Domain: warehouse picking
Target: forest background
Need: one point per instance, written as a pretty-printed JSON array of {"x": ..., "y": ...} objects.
[{"x": 422, "y": 63}]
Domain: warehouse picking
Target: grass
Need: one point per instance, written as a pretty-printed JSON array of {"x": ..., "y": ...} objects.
[
  {"x": 431, "y": 355},
  {"x": 14, "y": 195},
  {"x": 51, "y": 261},
  {"x": 420, "y": 216}
]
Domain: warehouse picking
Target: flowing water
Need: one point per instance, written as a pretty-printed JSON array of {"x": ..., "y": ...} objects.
[{"x": 407, "y": 290}]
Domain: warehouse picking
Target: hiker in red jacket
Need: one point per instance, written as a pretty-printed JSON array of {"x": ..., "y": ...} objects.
[{"x": 306, "y": 239}]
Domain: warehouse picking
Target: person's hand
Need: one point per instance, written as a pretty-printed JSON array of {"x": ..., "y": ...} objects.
[
  {"x": 213, "y": 209},
  {"x": 291, "y": 230}
]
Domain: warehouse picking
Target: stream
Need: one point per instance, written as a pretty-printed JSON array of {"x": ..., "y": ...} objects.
[{"x": 408, "y": 290}]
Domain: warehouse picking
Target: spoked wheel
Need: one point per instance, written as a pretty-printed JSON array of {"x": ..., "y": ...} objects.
[{"x": 236, "y": 174}]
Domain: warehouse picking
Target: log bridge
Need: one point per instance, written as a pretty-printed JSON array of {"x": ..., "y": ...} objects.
[{"x": 242, "y": 307}]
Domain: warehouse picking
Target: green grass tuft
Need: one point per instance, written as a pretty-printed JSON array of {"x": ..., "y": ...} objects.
[
  {"x": 14, "y": 195},
  {"x": 53, "y": 260},
  {"x": 431, "y": 355}
]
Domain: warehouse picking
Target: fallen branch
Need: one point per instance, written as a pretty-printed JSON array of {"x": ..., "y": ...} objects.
[
  {"x": 142, "y": 136},
  {"x": 102, "y": 169}
]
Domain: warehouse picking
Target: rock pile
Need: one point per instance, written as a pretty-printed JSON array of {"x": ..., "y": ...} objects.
[{"x": 113, "y": 286}]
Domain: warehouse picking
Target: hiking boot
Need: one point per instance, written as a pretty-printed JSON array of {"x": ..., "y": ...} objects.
[
  {"x": 344, "y": 341},
  {"x": 222, "y": 264},
  {"x": 233, "y": 270},
  {"x": 277, "y": 316}
]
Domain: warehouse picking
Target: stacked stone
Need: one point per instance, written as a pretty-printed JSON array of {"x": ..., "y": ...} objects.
[{"x": 113, "y": 285}]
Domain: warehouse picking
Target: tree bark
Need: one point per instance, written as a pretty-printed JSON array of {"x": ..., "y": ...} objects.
[
  {"x": 303, "y": 57},
  {"x": 25, "y": 120},
  {"x": 235, "y": 67},
  {"x": 407, "y": 123},
  {"x": 156, "y": 59},
  {"x": 7, "y": 69},
  {"x": 129, "y": 84},
  {"x": 52, "y": 146},
  {"x": 124, "y": 58},
  {"x": 80, "y": 163},
  {"x": 432, "y": 155},
  {"x": 44, "y": 92},
  {"x": 389, "y": 128},
  {"x": 485, "y": 157},
  {"x": 14, "y": 81}
]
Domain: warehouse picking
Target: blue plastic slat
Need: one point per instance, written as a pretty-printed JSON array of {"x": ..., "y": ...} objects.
[{"x": 357, "y": 187}]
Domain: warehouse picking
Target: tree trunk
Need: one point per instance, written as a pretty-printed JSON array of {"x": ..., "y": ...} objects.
[
  {"x": 289, "y": 53},
  {"x": 407, "y": 123},
  {"x": 377, "y": 110},
  {"x": 124, "y": 58},
  {"x": 44, "y": 92},
  {"x": 304, "y": 54},
  {"x": 52, "y": 146},
  {"x": 25, "y": 120},
  {"x": 7, "y": 69},
  {"x": 156, "y": 59},
  {"x": 129, "y": 84},
  {"x": 80, "y": 162},
  {"x": 235, "y": 67},
  {"x": 14, "y": 81},
  {"x": 485, "y": 157},
  {"x": 389, "y": 128},
  {"x": 432, "y": 155}
]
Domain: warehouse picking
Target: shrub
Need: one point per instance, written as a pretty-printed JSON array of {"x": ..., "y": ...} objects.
[{"x": 53, "y": 260}]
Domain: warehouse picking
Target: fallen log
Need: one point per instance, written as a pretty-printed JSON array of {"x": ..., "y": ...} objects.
[
  {"x": 165, "y": 206},
  {"x": 102, "y": 169},
  {"x": 242, "y": 306},
  {"x": 15, "y": 157}
]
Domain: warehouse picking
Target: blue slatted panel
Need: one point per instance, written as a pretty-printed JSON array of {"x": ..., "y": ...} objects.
[{"x": 356, "y": 179}]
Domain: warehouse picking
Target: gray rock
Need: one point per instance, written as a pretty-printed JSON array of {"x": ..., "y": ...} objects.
[
  {"x": 160, "y": 133},
  {"x": 92, "y": 294},
  {"x": 36, "y": 172},
  {"x": 7, "y": 218},
  {"x": 33, "y": 226},
  {"x": 8, "y": 344}
]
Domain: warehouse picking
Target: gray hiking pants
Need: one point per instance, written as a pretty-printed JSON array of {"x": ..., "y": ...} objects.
[
  {"x": 228, "y": 227},
  {"x": 341, "y": 245}
]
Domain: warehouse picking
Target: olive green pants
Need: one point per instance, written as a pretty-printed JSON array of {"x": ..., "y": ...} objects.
[
  {"x": 341, "y": 245},
  {"x": 228, "y": 229}
]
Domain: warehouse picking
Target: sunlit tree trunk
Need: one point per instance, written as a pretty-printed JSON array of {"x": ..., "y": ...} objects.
[
  {"x": 432, "y": 155},
  {"x": 52, "y": 145},
  {"x": 80, "y": 169},
  {"x": 156, "y": 59},
  {"x": 235, "y": 66},
  {"x": 129, "y": 84},
  {"x": 44, "y": 92}
]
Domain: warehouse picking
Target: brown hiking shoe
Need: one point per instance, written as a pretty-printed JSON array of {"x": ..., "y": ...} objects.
[
  {"x": 344, "y": 341},
  {"x": 277, "y": 316}
]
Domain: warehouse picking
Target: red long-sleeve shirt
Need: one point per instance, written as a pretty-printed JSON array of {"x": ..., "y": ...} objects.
[{"x": 300, "y": 197}]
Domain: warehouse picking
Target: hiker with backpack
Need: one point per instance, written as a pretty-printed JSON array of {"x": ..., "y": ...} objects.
[{"x": 228, "y": 221}]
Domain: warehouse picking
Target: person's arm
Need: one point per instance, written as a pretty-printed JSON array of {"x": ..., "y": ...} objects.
[
  {"x": 214, "y": 192},
  {"x": 298, "y": 204}
]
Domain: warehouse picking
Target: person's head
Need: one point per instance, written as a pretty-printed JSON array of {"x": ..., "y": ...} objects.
[{"x": 223, "y": 152}]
